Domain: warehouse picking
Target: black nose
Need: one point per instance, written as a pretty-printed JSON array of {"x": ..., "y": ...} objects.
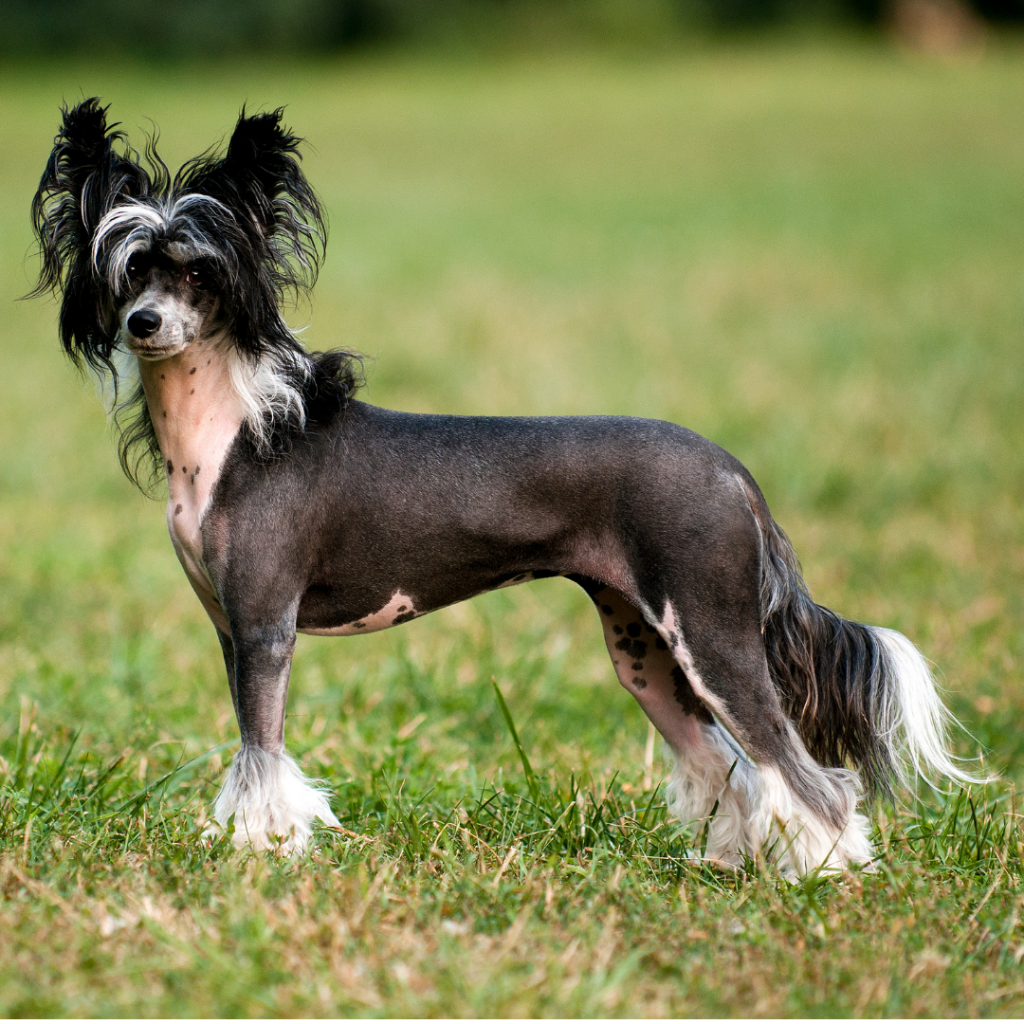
[{"x": 143, "y": 323}]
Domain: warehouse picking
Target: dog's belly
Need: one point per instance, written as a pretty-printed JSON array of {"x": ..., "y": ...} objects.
[{"x": 400, "y": 608}]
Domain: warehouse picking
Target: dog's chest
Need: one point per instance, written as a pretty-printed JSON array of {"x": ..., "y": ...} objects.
[
  {"x": 196, "y": 418},
  {"x": 184, "y": 524}
]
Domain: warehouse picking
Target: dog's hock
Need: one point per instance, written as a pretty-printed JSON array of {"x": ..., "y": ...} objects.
[{"x": 273, "y": 804}]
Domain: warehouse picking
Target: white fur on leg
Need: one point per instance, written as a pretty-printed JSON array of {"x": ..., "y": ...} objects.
[
  {"x": 700, "y": 779},
  {"x": 758, "y": 814},
  {"x": 272, "y": 802},
  {"x": 799, "y": 838}
]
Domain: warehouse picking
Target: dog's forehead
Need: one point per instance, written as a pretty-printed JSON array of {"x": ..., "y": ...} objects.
[
  {"x": 168, "y": 254},
  {"x": 175, "y": 251}
]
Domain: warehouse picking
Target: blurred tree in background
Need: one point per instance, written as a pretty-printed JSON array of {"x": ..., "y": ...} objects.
[{"x": 182, "y": 28}]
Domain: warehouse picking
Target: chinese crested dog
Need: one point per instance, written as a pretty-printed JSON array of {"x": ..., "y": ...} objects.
[{"x": 295, "y": 508}]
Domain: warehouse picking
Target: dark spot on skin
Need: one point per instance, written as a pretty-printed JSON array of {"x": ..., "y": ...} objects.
[
  {"x": 165, "y": 415},
  {"x": 673, "y": 639},
  {"x": 638, "y": 666},
  {"x": 208, "y": 361},
  {"x": 360, "y": 625},
  {"x": 633, "y": 629},
  {"x": 607, "y": 609},
  {"x": 193, "y": 370},
  {"x": 399, "y": 619},
  {"x": 192, "y": 392},
  {"x": 687, "y": 699},
  {"x": 184, "y": 469},
  {"x": 177, "y": 510},
  {"x": 196, "y": 473},
  {"x": 192, "y": 479},
  {"x": 660, "y": 644},
  {"x": 617, "y": 630},
  {"x": 640, "y": 684},
  {"x": 161, "y": 376},
  {"x": 636, "y": 649},
  {"x": 170, "y": 465},
  {"x": 403, "y": 608}
]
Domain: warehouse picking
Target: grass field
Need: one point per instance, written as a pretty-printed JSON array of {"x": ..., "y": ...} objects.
[{"x": 812, "y": 255}]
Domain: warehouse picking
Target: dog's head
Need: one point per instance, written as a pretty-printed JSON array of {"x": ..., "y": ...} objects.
[{"x": 152, "y": 264}]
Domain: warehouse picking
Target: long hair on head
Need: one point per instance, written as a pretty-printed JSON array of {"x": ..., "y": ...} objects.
[{"x": 252, "y": 218}]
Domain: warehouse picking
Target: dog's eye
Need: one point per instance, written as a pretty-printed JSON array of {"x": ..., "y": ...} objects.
[
  {"x": 134, "y": 267},
  {"x": 196, "y": 277}
]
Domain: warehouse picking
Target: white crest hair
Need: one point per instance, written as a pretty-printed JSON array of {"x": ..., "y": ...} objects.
[{"x": 136, "y": 223}]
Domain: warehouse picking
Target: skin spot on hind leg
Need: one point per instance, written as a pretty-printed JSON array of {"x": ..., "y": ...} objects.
[
  {"x": 634, "y": 649},
  {"x": 645, "y": 669}
]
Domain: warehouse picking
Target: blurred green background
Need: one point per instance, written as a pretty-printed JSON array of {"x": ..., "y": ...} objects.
[{"x": 177, "y": 28}]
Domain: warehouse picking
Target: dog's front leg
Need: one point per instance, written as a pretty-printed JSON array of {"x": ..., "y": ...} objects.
[
  {"x": 228, "y": 649},
  {"x": 272, "y": 804}
]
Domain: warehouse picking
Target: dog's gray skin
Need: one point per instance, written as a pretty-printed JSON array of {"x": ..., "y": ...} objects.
[{"x": 358, "y": 518}]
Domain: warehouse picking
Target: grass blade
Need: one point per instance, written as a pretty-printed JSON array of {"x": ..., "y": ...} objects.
[{"x": 531, "y": 779}]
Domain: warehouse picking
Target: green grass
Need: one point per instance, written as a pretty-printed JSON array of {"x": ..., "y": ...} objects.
[{"x": 814, "y": 256}]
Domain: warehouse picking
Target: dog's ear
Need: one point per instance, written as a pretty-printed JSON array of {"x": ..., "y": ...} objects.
[
  {"x": 276, "y": 226},
  {"x": 260, "y": 180},
  {"x": 84, "y": 178}
]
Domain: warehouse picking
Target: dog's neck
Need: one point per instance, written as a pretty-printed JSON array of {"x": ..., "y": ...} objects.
[{"x": 196, "y": 416}]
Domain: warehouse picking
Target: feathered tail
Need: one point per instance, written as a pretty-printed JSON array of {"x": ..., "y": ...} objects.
[{"x": 858, "y": 694}]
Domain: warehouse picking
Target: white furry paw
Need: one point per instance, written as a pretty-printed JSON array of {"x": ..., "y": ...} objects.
[
  {"x": 742, "y": 811},
  {"x": 271, "y": 802}
]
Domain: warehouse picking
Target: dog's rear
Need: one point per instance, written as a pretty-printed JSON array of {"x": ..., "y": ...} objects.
[{"x": 858, "y": 694}]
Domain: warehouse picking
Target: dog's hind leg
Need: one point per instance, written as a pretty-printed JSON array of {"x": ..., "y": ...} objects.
[
  {"x": 742, "y": 775},
  {"x": 800, "y": 814},
  {"x": 714, "y": 785},
  {"x": 273, "y": 805}
]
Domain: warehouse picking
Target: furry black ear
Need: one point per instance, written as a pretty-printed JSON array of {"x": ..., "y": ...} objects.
[
  {"x": 276, "y": 221},
  {"x": 84, "y": 177},
  {"x": 259, "y": 179}
]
